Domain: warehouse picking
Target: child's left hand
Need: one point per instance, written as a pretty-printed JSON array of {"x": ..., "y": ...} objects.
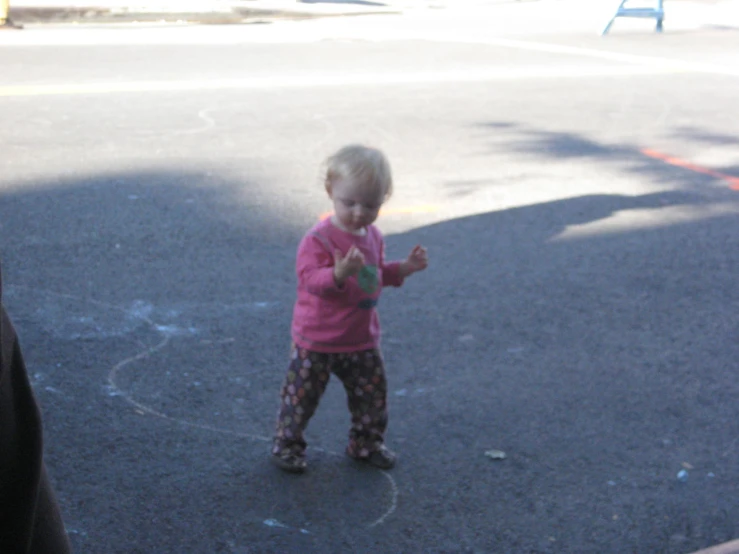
[{"x": 417, "y": 260}]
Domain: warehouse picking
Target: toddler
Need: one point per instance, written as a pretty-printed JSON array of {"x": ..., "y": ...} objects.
[{"x": 341, "y": 271}]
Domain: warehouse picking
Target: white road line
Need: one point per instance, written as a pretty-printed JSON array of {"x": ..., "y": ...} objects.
[
  {"x": 655, "y": 62},
  {"x": 334, "y": 80}
]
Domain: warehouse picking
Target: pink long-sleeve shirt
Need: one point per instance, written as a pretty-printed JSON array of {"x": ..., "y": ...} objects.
[{"x": 330, "y": 319}]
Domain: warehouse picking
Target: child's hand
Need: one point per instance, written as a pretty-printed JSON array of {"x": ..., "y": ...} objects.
[
  {"x": 417, "y": 260},
  {"x": 346, "y": 266}
]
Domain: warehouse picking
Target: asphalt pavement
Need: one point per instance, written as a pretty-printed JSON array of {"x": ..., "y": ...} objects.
[{"x": 578, "y": 198}]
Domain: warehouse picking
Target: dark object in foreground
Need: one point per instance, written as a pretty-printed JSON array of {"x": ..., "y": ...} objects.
[{"x": 30, "y": 520}]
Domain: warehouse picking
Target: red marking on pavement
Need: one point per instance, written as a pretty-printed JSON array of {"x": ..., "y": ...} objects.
[
  {"x": 678, "y": 162},
  {"x": 423, "y": 209}
]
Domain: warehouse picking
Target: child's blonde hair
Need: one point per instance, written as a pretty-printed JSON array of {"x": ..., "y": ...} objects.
[{"x": 363, "y": 165}]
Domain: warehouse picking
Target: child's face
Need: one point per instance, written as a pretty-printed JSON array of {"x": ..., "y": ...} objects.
[{"x": 355, "y": 205}]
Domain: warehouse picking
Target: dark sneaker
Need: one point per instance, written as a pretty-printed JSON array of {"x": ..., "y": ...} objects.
[
  {"x": 384, "y": 458},
  {"x": 290, "y": 463}
]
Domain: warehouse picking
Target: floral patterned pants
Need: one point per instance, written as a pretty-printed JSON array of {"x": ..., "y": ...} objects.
[{"x": 363, "y": 376}]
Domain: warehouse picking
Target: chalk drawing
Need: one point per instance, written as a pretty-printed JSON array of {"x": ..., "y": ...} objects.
[
  {"x": 275, "y": 523},
  {"x": 142, "y": 311},
  {"x": 219, "y": 341},
  {"x": 393, "y": 501},
  {"x": 209, "y": 123}
]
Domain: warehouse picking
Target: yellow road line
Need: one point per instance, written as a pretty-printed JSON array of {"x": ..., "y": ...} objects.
[
  {"x": 108, "y": 88},
  {"x": 267, "y": 82}
]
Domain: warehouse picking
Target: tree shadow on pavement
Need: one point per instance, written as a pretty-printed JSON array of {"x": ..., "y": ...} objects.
[
  {"x": 594, "y": 340},
  {"x": 700, "y": 135},
  {"x": 99, "y": 271},
  {"x": 591, "y": 338},
  {"x": 628, "y": 158}
]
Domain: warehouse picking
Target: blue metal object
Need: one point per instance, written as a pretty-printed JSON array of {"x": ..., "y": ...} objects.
[{"x": 657, "y": 13}]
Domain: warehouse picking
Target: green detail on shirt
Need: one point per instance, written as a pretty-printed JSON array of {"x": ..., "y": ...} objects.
[{"x": 368, "y": 280}]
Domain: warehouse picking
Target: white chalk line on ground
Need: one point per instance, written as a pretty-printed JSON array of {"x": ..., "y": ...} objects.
[
  {"x": 115, "y": 390},
  {"x": 393, "y": 502}
]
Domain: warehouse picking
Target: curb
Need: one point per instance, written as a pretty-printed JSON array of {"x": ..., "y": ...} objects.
[
  {"x": 203, "y": 11},
  {"x": 231, "y": 15}
]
